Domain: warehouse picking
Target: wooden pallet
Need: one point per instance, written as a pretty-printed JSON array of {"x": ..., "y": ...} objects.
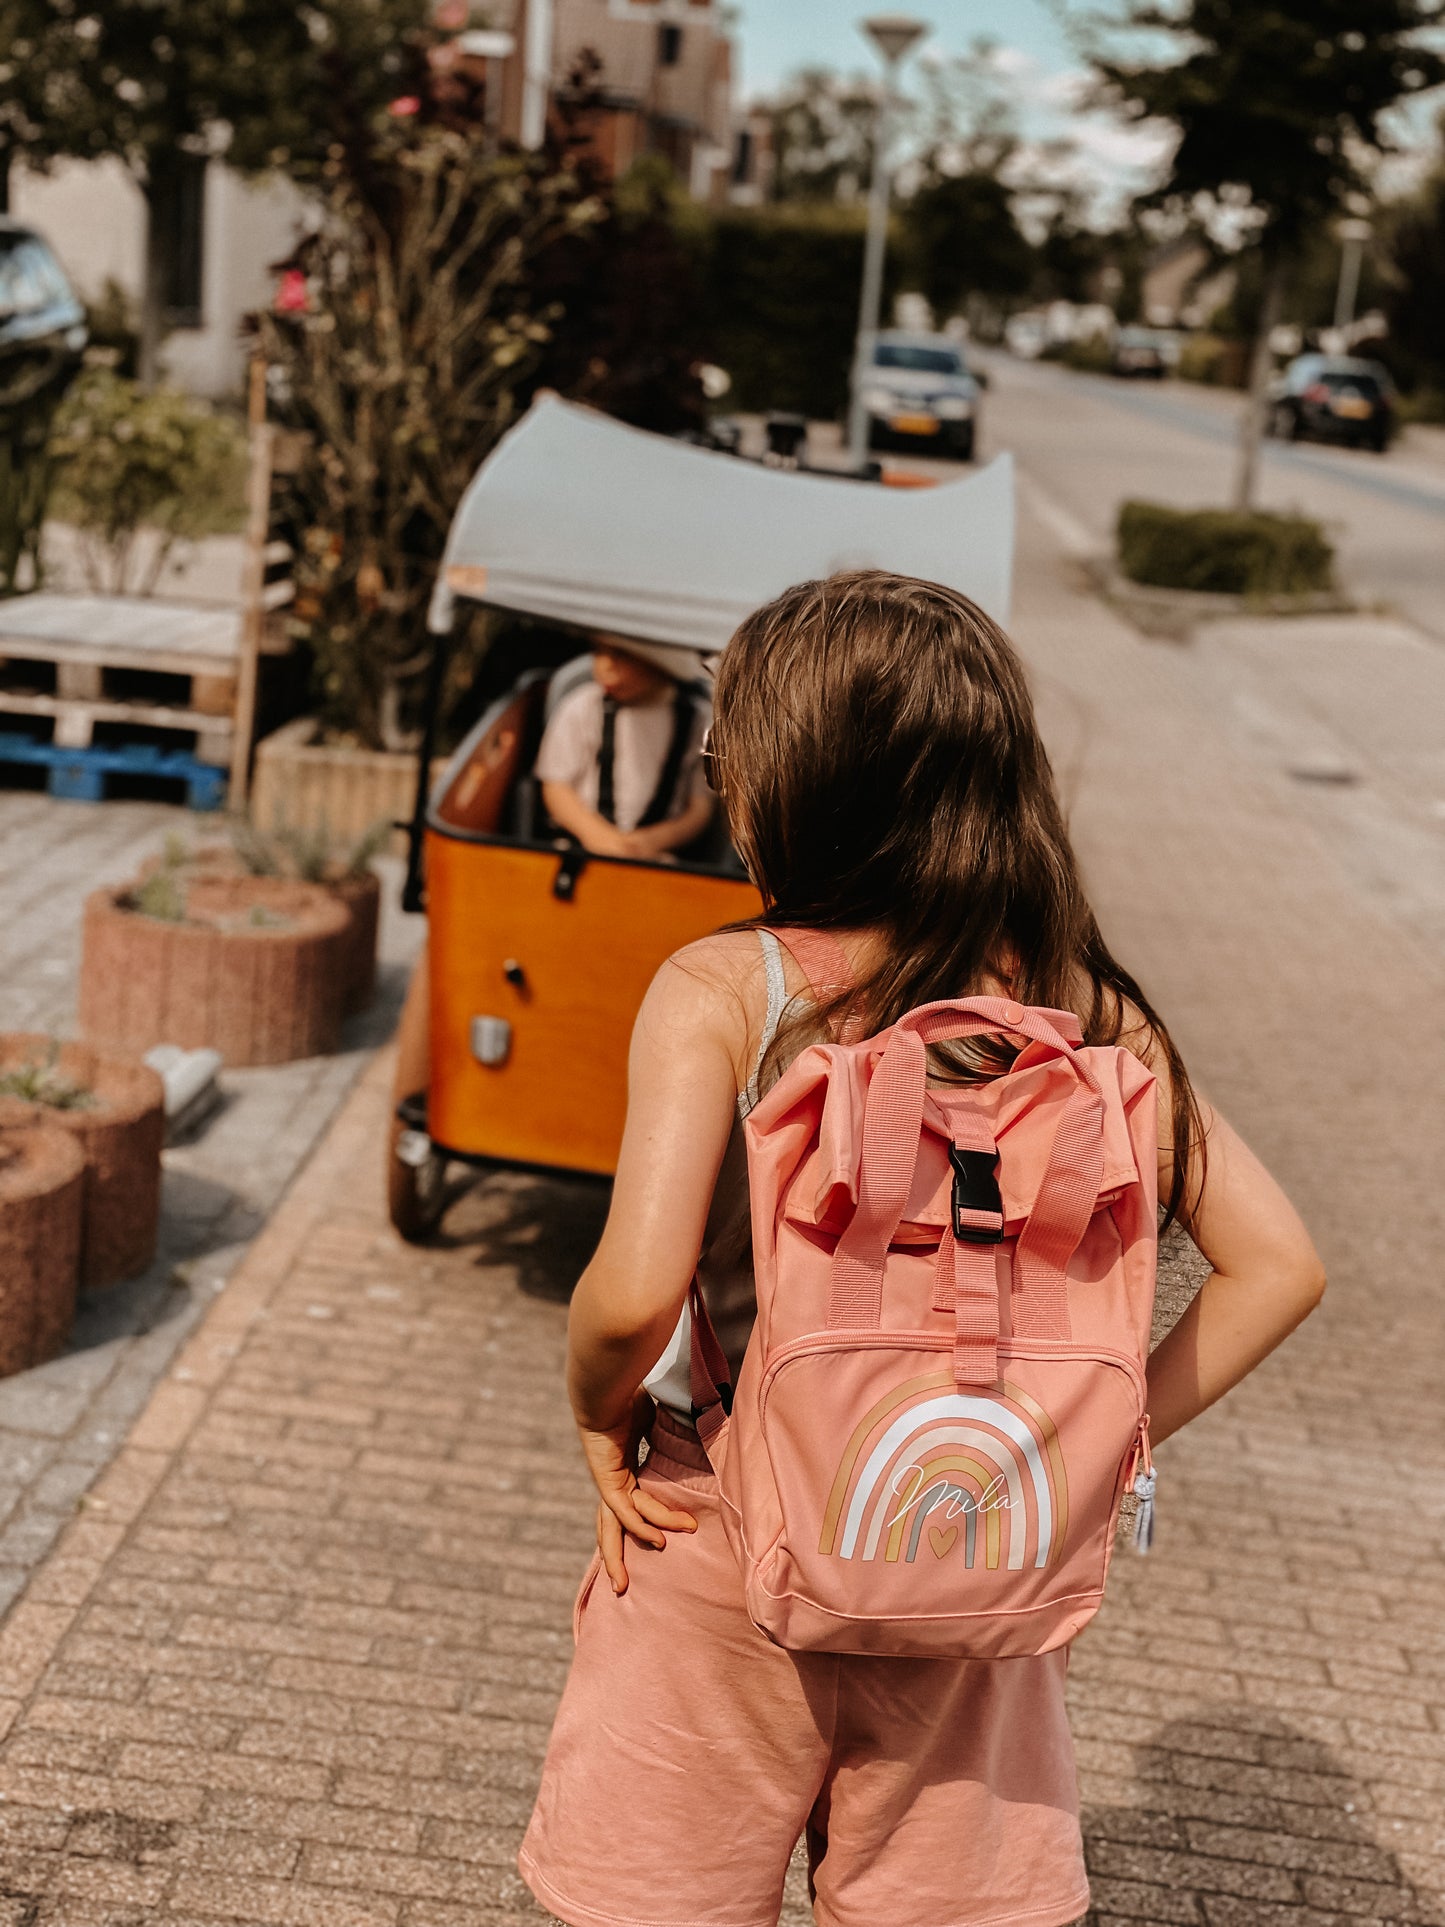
[
  {"x": 84, "y": 659},
  {"x": 76, "y": 661},
  {"x": 88, "y": 775}
]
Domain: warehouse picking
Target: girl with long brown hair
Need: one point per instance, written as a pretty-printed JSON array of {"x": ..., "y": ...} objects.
[{"x": 885, "y": 782}]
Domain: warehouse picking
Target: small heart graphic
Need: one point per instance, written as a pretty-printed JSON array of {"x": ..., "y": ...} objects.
[{"x": 941, "y": 1538}]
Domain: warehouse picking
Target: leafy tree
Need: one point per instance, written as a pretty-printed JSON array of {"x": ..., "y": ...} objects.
[
  {"x": 161, "y": 84},
  {"x": 1415, "y": 303},
  {"x": 823, "y": 137},
  {"x": 41, "y": 84},
  {"x": 1279, "y": 106},
  {"x": 960, "y": 238}
]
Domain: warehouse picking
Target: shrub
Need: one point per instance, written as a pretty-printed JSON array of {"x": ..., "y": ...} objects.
[
  {"x": 1223, "y": 551},
  {"x": 1091, "y": 354},
  {"x": 1215, "y": 360},
  {"x": 780, "y": 285},
  {"x": 129, "y": 460}
]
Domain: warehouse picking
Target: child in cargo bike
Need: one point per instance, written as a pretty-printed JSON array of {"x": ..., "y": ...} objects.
[
  {"x": 843, "y": 1610},
  {"x": 620, "y": 762}
]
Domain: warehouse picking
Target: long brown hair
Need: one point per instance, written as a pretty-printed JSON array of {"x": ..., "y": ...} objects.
[{"x": 882, "y": 768}]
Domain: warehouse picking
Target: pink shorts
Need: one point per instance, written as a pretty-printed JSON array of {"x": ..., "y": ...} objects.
[{"x": 689, "y": 1754}]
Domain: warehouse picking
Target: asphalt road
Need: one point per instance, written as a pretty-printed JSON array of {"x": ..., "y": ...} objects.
[
  {"x": 1348, "y": 710},
  {"x": 1086, "y": 443}
]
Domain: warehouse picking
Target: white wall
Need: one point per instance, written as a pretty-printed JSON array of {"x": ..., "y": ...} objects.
[{"x": 94, "y": 217}]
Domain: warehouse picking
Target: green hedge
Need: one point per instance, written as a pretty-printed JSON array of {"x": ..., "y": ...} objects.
[
  {"x": 781, "y": 290},
  {"x": 1224, "y": 552}
]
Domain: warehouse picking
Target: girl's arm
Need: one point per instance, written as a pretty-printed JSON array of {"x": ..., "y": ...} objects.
[
  {"x": 682, "y": 1098},
  {"x": 1266, "y": 1276}
]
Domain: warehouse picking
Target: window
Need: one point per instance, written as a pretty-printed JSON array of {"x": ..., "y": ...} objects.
[
  {"x": 669, "y": 45},
  {"x": 922, "y": 361},
  {"x": 180, "y": 206}
]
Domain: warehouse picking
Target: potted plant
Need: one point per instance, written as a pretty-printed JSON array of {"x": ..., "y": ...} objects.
[
  {"x": 312, "y": 856},
  {"x": 114, "y": 1109},
  {"x": 251, "y": 966},
  {"x": 42, "y": 1184}
]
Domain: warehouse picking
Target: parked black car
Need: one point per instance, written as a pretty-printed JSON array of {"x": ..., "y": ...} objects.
[
  {"x": 42, "y": 324},
  {"x": 1139, "y": 352},
  {"x": 1336, "y": 398}
]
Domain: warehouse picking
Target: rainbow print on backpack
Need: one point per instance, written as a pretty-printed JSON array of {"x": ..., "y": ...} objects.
[{"x": 929, "y": 1455}]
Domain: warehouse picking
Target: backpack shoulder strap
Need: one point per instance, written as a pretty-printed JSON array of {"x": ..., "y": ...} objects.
[{"x": 819, "y": 955}]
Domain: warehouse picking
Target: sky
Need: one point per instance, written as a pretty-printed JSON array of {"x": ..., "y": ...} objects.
[
  {"x": 779, "y": 36},
  {"x": 1041, "y": 70},
  {"x": 1038, "y": 69}
]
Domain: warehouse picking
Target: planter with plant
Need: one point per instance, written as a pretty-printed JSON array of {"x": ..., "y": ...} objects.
[
  {"x": 251, "y": 966},
  {"x": 42, "y": 1189},
  {"x": 114, "y": 1108},
  {"x": 312, "y": 856}
]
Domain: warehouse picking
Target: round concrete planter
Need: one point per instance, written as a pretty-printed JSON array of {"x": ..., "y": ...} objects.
[
  {"x": 256, "y": 971},
  {"x": 120, "y": 1134},
  {"x": 42, "y": 1187},
  {"x": 362, "y": 897},
  {"x": 361, "y": 894}
]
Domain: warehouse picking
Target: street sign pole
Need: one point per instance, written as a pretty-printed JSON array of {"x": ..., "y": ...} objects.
[{"x": 893, "y": 36}]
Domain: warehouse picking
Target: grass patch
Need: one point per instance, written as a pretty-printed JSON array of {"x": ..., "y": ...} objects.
[{"x": 1223, "y": 552}]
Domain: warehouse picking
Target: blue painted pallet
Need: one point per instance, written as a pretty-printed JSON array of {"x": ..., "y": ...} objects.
[{"x": 82, "y": 774}]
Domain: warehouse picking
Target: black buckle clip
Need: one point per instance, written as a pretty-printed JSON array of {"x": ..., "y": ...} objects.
[
  {"x": 975, "y": 1188},
  {"x": 724, "y": 1398}
]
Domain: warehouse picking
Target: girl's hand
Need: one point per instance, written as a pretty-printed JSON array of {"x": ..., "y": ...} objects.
[{"x": 626, "y": 1508}]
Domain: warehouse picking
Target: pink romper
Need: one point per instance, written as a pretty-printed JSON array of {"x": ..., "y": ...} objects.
[{"x": 689, "y": 1753}]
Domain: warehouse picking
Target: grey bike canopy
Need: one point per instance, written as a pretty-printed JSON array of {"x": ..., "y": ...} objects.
[{"x": 579, "y": 519}]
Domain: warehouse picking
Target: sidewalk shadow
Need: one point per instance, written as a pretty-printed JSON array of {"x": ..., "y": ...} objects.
[
  {"x": 1285, "y": 1822},
  {"x": 544, "y": 1228}
]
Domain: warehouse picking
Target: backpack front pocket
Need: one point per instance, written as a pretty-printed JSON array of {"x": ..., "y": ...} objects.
[{"x": 923, "y": 1518}]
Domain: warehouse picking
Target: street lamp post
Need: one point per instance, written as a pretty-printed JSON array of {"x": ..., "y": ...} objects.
[
  {"x": 1353, "y": 236},
  {"x": 892, "y": 35}
]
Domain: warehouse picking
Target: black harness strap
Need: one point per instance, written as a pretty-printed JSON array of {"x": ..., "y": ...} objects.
[
  {"x": 662, "y": 797},
  {"x": 606, "y": 758}
]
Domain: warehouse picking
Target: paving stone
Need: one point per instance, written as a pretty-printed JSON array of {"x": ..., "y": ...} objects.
[{"x": 218, "y": 1189}]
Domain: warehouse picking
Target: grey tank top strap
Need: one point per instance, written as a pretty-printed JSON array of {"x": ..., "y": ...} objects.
[{"x": 777, "y": 1004}]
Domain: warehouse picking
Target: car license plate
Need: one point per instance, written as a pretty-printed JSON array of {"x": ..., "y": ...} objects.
[
  {"x": 913, "y": 424},
  {"x": 1353, "y": 408}
]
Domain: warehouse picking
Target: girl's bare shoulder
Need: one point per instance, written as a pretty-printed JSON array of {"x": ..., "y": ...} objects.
[{"x": 715, "y": 985}]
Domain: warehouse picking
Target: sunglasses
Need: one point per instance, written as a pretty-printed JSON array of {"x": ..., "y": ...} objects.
[{"x": 712, "y": 775}]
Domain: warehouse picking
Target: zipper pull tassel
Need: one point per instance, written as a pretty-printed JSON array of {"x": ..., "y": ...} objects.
[{"x": 1145, "y": 1481}]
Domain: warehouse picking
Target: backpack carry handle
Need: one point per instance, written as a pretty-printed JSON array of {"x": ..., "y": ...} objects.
[{"x": 893, "y": 1120}]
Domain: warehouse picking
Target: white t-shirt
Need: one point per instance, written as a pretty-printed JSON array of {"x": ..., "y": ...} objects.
[{"x": 572, "y": 742}]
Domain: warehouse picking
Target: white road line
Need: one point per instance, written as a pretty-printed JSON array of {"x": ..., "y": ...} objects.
[{"x": 1062, "y": 522}]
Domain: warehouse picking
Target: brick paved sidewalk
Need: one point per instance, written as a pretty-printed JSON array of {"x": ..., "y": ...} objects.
[{"x": 295, "y": 1660}]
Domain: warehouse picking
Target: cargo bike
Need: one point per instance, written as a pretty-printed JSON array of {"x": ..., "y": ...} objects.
[{"x": 512, "y": 1049}]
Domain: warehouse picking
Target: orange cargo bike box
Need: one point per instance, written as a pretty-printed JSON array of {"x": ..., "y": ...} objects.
[{"x": 513, "y": 1043}]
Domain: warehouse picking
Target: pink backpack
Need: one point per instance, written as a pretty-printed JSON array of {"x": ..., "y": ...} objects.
[{"x": 942, "y": 1405}]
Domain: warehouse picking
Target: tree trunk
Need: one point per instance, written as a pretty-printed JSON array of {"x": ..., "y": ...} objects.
[
  {"x": 1252, "y": 416},
  {"x": 157, "y": 280},
  {"x": 4, "y": 180}
]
